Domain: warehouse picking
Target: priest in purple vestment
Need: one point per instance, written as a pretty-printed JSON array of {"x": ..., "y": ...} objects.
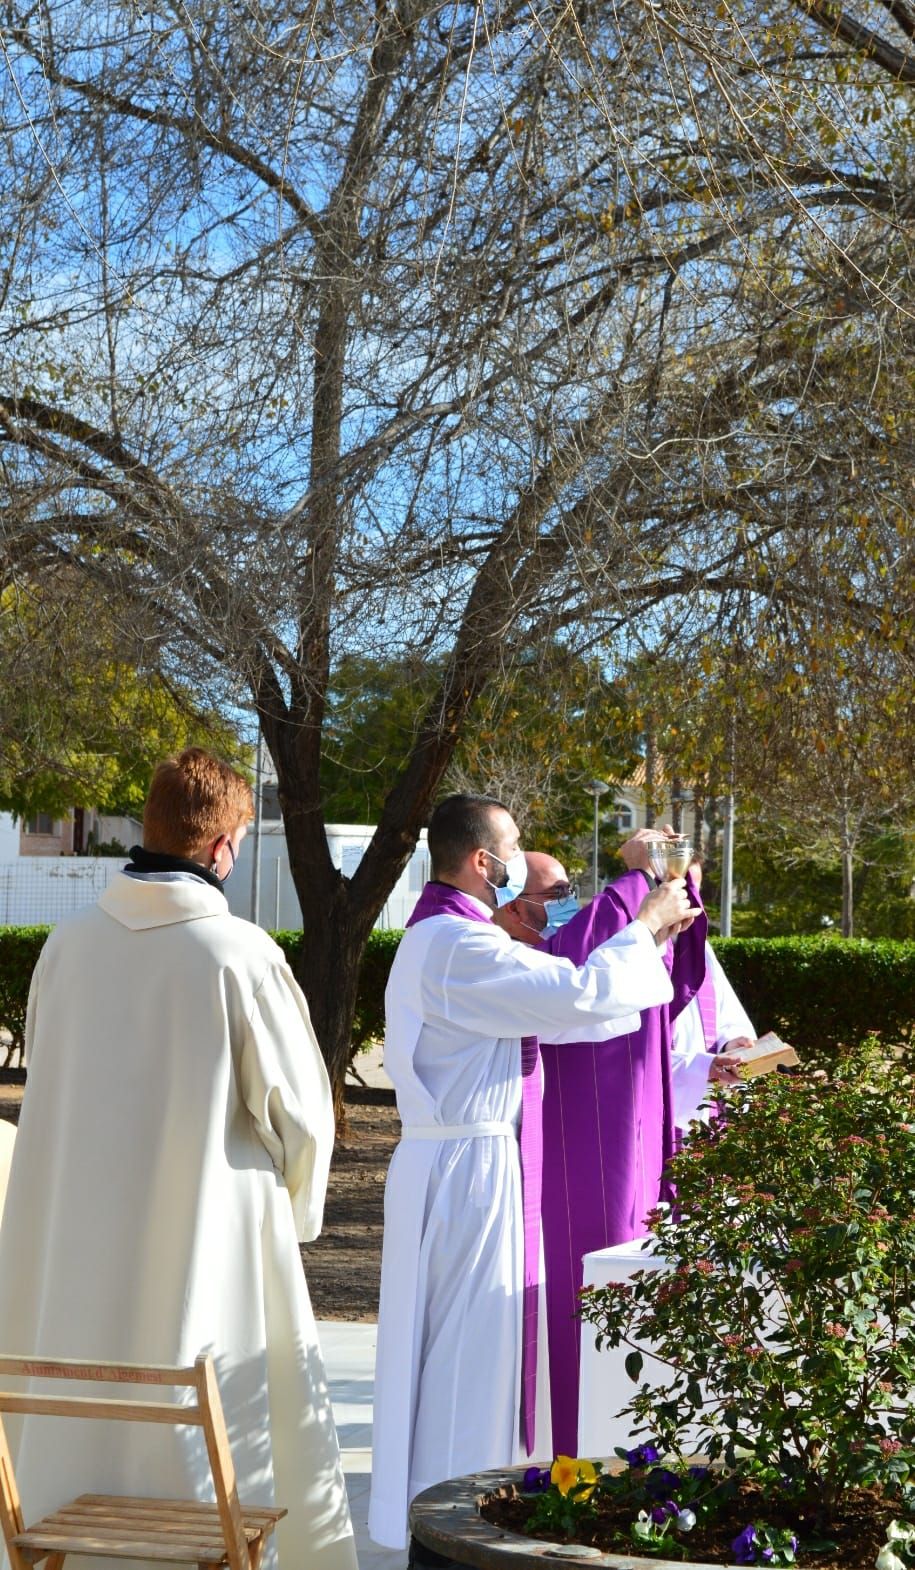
[{"x": 607, "y": 1118}]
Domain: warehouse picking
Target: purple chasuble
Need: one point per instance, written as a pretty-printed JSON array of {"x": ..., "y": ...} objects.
[
  {"x": 607, "y": 1132},
  {"x": 441, "y": 899}
]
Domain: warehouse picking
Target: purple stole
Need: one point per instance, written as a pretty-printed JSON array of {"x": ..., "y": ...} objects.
[
  {"x": 442, "y": 899},
  {"x": 708, "y": 1010}
]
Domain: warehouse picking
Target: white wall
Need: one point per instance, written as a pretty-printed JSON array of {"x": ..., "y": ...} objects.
[
  {"x": 9, "y": 837},
  {"x": 347, "y": 845},
  {"x": 41, "y": 890}
]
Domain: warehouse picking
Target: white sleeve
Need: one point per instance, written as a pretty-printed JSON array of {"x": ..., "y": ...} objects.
[
  {"x": 285, "y": 1087},
  {"x": 732, "y": 1019},
  {"x": 502, "y": 988},
  {"x": 690, "y": 1066}
]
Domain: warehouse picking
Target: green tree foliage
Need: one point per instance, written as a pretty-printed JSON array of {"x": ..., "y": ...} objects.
[
  {"x": 550, "y": 722},
  {"x": 82, "y": 723}
]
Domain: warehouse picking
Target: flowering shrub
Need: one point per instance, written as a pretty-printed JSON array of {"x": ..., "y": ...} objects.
[{"x": 783, "y": 1314}]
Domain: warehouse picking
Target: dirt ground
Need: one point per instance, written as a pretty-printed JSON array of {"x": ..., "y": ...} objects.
[{"x": 343, "y": 1266}]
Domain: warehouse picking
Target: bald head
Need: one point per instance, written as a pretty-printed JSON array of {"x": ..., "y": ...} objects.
[
  {"x": 544, "y": 873},
  {"x": 525, "y": 917}
]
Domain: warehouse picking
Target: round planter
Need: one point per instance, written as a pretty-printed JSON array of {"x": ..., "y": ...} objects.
[{"x": 447, "y": 1519}]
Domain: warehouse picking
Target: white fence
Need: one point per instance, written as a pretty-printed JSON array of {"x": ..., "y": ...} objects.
[{"x": 41, "y": 890}]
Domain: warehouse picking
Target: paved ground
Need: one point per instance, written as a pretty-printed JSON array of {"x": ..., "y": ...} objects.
[{"x": 349, "y": 1358}]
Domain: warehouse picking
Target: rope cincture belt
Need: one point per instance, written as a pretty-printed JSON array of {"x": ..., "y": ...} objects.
[{"x": 458, "y": 1130}]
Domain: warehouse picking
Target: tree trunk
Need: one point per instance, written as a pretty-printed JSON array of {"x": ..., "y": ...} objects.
[
  {"x": 698, "y": 807},
  {"x": 676, "y": 803},
  {"x": 328, "y": 973}
]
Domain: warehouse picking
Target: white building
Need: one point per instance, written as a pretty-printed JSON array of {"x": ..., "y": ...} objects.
[
  {"x": 279, "y": 906},
  {"x": 40, "y": 889}
]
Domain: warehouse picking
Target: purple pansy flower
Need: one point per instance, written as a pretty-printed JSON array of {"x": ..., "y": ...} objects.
[
  {"x": 660, "y": 1513},
  {"x": 643, "y": 1455},
  {"x": 661, "y": 1480},
  {"x": 535, "y": 1481},
  {"x": 746, "y": 1546}
]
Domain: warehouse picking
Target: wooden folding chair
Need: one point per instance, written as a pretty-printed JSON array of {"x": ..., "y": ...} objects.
[{"x": 119, "y": 1527}]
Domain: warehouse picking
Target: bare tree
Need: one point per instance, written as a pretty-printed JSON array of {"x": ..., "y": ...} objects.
[{"x": 413, "y": 329}]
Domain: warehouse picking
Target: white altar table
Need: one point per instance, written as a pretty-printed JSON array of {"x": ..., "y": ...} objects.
[{"x": 604, "y": 1386}]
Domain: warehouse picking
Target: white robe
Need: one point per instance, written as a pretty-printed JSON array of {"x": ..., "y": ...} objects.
[
  {"x": 691, "y": 1060},
  {"x": 175, "y": 1137},
  {"x": 448, "y": 1370}
]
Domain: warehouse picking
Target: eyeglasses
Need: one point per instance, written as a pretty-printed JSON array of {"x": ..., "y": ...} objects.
[{"x": 558, "y": 891}]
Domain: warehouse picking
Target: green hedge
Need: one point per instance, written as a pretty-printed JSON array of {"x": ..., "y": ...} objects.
[
  {"x": 368, "y": 1024},
  {"x": 824, "y": 993},
  {"x": 819, "y": 993},
  {"x": 19, "y": 951},
  {"x": 21, "y": 946}
]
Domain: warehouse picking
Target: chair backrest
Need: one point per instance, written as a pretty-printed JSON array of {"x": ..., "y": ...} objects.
[{"x": 206, "y": 1413}]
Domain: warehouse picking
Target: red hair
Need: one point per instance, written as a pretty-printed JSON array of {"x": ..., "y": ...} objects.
[{"x": 192, "y": 800}]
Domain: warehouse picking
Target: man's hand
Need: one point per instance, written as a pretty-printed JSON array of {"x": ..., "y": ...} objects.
[
  {"x": 739, "y": 1044},
  {"x": 667, "y": 910},
  {"x": 636, "y": 850},
  {"x": 724, "y": 1070}
]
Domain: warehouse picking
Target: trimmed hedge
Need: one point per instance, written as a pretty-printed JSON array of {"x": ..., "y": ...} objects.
[
  {"x": 820, "y": 993},
  {"x": 824, "y": 993},
  {"x": 368, "y": 1024},
  {"x": 21, "y": 946},
  {"x": 19, "y": 951}
]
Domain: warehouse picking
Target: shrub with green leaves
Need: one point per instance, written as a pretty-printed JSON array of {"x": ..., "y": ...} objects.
[
  {"x": 19, "y": 951},
  {"x": 784, "y": 1308},
  {"x": 368, "y": 1022},
  {"x": 21, "y": 946},
  {"x": 824, "y": 994}
]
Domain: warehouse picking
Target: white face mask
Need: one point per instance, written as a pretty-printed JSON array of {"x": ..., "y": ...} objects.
[{"x": 515, "y": 878}]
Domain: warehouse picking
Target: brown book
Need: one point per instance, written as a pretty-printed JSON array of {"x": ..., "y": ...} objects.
[{"x": 765, "y": 1055}]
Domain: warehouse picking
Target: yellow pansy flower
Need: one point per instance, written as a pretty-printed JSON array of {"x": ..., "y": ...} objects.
[{"x": 566, "y": 1472}]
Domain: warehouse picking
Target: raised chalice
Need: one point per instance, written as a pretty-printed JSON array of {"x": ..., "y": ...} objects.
[{"x": 670, "y": 857}]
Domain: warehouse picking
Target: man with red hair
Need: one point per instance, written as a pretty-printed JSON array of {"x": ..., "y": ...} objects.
[{"x": 174, "y": 1145}]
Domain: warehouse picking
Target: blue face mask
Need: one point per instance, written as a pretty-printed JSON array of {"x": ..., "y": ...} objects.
[
  {"x": 515, "y": 878},
  {"x": 558, "y": 912}
]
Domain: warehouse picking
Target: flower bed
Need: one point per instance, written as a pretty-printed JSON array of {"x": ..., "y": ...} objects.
[{"x": 688, "y": 1512}]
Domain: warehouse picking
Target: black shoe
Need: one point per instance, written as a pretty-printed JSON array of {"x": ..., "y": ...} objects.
[{"x": 422, "y": 1558}]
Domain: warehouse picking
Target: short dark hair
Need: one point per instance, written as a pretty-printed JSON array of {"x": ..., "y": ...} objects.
[{"x": 460, "y": 825}]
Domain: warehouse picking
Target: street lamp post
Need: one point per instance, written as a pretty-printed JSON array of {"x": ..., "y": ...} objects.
[{"x": 597, "y": 788}]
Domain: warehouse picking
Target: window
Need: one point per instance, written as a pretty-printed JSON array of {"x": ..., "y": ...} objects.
[
  {"x": 622, "y": 817},
  {"x": 40, "y": 823},
  {"x": 270, "y": 801}
]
